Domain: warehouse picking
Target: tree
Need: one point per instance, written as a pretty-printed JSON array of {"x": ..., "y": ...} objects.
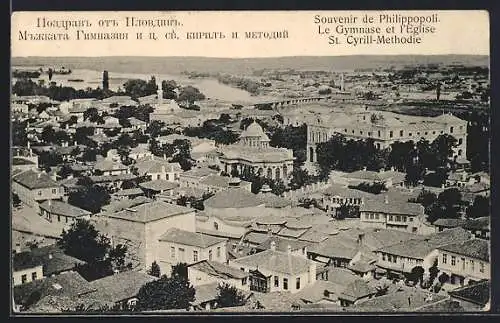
[
  {"x": 105, "y": 81},
  {"x": 190, "y": 95},
  {"x": 433, "y": 271},
  {"x": 300, "y": 178},
  {"x": 166, "y": 293},
  {"x": 154, "y": 270},
  {"x": 443, "y": 278},
  {"x": 117, "y": 256},
  {"x": 229, "y": 296},
  {"x": 91, "y": 114},
  {"x": 417, "y": 274},
  {"x": 180, "y": 270},
  {"x": 84, "y": 242},
  {"x": 278, "y": 187},
  {"x": 480, "y": 208},
  {"x": 48, "y": 135},
  {"x": 155, "y": 128},
  {"x": 90, "y": 198}
]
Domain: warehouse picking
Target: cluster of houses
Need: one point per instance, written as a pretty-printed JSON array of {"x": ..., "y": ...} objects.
[{"x": 265, "y": 245}]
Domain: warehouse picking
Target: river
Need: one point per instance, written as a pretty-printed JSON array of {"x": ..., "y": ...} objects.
[{"x": 212, "y": 88}]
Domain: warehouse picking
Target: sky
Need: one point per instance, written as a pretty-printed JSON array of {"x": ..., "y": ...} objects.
[{"x": 456, "y": 32}]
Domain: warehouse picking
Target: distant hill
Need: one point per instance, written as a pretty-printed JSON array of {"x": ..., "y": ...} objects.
[{"x": 176, "y": 65}]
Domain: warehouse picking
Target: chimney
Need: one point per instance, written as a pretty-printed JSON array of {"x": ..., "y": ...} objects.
[
  {"x": 386, "y": 199},
  {"x": 288, "y": 249},
  {"x": 188, "y": 204},
  {"x": 165, "y": 156},
  {"x": 364, "y": 168},
  {"x": 273, "y": 245},
  {"x": 50, "y": 256},
  {"x": 75, "y": 143}
]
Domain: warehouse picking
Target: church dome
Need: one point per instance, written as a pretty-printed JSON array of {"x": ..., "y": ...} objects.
[{"x": 254, "y": 130}]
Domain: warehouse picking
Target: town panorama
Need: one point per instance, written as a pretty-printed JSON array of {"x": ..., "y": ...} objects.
[{"x": 157, "y": 185}]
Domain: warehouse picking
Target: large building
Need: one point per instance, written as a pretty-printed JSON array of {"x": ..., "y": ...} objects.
[
  {"x": 253, "y": 153},
  {"x": 384, "y": 128}
]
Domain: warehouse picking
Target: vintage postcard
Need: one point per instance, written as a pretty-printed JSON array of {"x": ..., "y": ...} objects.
[{"x": 250, "y": 162}]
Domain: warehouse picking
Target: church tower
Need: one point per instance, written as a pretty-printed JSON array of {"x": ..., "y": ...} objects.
[{"x": 159, "y": 92}]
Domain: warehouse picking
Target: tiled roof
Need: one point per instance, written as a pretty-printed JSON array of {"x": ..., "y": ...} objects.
[
  {"x": 153, "y": 164},
  {"x": 34, "y": 180},
  {"x": 111, "y": 178},
  {"x": 21, "y": 161},
  {"x": 130, "y": 191},
  {"x": 292, "y": 233},
  {"x": 205, "y": 293},
  {"x": 198, "y": 172},
  {"x": 397, "y": 301},
  {"x": 159, "y": 185},
  {"x": 273, "y": 201},
  {"x": 356, "y": 290},
  {"x": 152, "y": 211},
  {"x": 118, "y": 287},
  {"x": 25, "y": 260},
  {"x": 449, "y": 223},
  {"x": 69, "y": 284},
  {"x": 219, "y": 270},
  {"x": 420, "y": 248},
  {"x": 123, "y": 204},
  {"x": 276, "y": 261},
  {"x": 340, "y": 245},
  {"x": 234, "y": 198},
  {"x": 392, "y": 207},
  {"x": 320, "y": 290},
  {"x": 63, "y": 208},
  {"x": 474, "y": 248},
  {"x": 478, "y": 293},
  {"x": 282, "y": 244},
  {"x": 107, "y": 165},
  {"x": 54, "y": 260},
  {"x": 190, "y": 238},
  {"x": 256, "y": 237},
  {"x": 482, "y": 223}
]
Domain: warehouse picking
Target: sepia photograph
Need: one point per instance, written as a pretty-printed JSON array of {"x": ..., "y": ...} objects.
[{"x": 300, "y": 162}]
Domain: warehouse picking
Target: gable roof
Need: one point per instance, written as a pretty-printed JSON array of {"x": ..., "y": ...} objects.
[
  {"x": 24, "y": 260},
  {"x": 63, "y": 208},
  {"x": 234, "y": 198},
  {"x": 282, "y": 244},
  {"x": 34, "y": 179},
  {"x": 151, "y": 211},
  {"x": 276, "y": 261},
  {"x": 119, "y": 287},
  {"x": 420, "y": 248},
  {"x": 54, "y": 260},
  {"x": 190, "y": 238},
  {"x": 356, "y": 290},
  {"x": 394, "y": 207},
  {"x": 69, "y": 284},
  {"x": 474, "y": 248},
  {"x": 478, "y": 293},
  {"x": 219, "y": 270}
]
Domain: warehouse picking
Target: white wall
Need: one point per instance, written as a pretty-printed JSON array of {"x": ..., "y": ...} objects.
[{"x": 17, "y": 275}]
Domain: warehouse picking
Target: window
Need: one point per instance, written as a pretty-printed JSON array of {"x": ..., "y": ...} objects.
[
  {"x": 391, "y": 218},
  {"x": 442, "y": 131},
  {"x": 285, "y": 283},
  {"x": 218, "y": 252},
  {"x": 276, "y": 281},
  {"x": 369, "y": 133},
  {"x": 54, "y": 191},
  {"x": 411, "y": 219},
  {"x": 472, "y": 265},
  {"x": 451, "y": 129},
  {"x": 244, "y": 281},
  {"x": 445, "y": 258},
  {"x": 39, "y": 193},
  {"x": 33, "y": 275},
  {"x": 181, "y": 254},
  {"x": 361, "y": 132},
  {"x": 216, "y": 226},
  {"x": 195, "y": 256},
  {"x": 383, "y": 256},
  {"x": 481, "y": 267},
  {"x": 418, "y": 133},
  {"x": 157, "y": 176},
  {"x": 398, "y": 218},
  {"x": 58, "y": 218},
  {"x": 426, "y": 133},
  {"x": 401, "y": 133},
  {"x": 172, "y": 252},
  {"x": 433, "y": 132},
  {"x": 460, "y": 141},
  {"x": 391, "y": 134},
  {"x": 345, "y": 130},
  {"x": 297, "y": 283},
  {"x": 410, "y": 134},
  {"x": 353, "y": 131},
  {"x": 377, "y": 216},
  {"x": 461, "y": 127},
  {"x": 453, "y": 260},
  {"x": 24, "y": 279},
  {"x": 210, "y": 255}
]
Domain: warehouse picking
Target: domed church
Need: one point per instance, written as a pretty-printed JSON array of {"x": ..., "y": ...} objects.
[{"x": 253, "y": 153}]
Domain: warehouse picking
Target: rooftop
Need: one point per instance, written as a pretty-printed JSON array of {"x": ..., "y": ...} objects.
[
  {"x": 63, "y": 208},
  {"x": 356, "y": 290},
  {"x": 190, "y": 238},
  {"x": 477, "y": 293},
  {"x": 394, "y": 207},
  {"x": 282, "y": 244},
  {"x": 25, "y": 260},
  {"x": 276, "y": 261},
  {"x": 420, "y": 248},
  {"x": 234, "y": 198},
  {"x": 398, "y": 301},
  {"x": 55, "y": 260},
  {"x": 219, "y": 270},
  {"x": 474, "y": 248},
  {"x": 34, "y": 180},
  {"x": 121, "y": 286},
  {"x": 151, "y": 211},
  {"x": 159, "y": 185}
]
